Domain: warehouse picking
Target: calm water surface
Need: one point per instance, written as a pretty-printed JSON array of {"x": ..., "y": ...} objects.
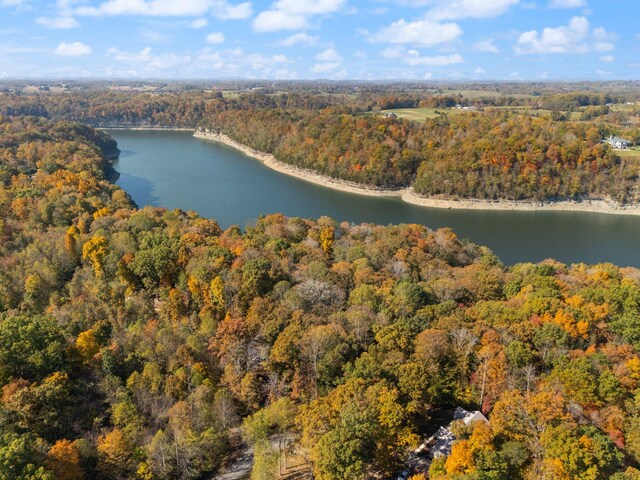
[{"x": 175, "y": 170}]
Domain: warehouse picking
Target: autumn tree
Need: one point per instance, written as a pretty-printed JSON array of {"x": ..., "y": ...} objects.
[{"x": 63, "y": 459}]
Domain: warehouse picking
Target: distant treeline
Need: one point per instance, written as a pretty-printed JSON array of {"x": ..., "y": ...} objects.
[
  {"x": 561, "y": 102},
  {"x": 106, "y": 108}
]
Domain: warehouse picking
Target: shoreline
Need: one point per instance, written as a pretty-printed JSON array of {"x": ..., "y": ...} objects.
[
  {"x": 302, "y": 173},
  {"x": 163, "y": 129},
  {"x": 408, "y": 195},
  {"x": 594, "y": 205}
]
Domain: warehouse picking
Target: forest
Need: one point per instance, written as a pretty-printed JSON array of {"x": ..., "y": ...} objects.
[
  {"x": 150, "y": 344},
  {"x": 512, "y": 146},
  {"x": 492, "y": 155}
]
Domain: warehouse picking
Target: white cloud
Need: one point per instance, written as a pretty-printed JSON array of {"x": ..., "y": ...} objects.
[
  {"x": 328, "y": 61},
  {"x": 210, "y": 62},
  {"x": 215, "y": 37},
  {"x": 360, "y": 54},
  {"x": 75, "y": 49},
  {"x": 293, "y": 14},
  {"x": 393, "y": 52},
  {"x": 64, "y": 19},
  {"x": 435, "y": 61},
  {"x": 603, "y": 46},
  {"x": 479, "y": 71},
  {"x": 308, "y": 7},
  {"x": 329, "y": 55},
  {"x": 143, "y": 56},
  {"x": 604, "y": 40},
  {"x": 199, "y": 23},
  {"x": 235, "y": 62},
  {"x": 485, "y": 46},
  {"x": 567, "y": 3},
  {"x": 456, "y": 9},
  {"x": 169, "y": 8},
  {"x": 423, "y": 33},
  {"x": 66, "y": 4},
  {"x": 58, "y": 23},
  {"x": 301, "y": 38},
  {"x": 413, "y": 58},
  {"x": 602, "y": 73},
  {"x": 167, "y": 61},
  {"x": 607, "y": 58},
  {"x": 154, "y": 36},
  {"x": 12, "y": 3},
  {"x": 275, "y": 20},
  {"x": 577, "y": 37},
  {"x": 227, "y": 11},
  {"x": 325, "y": 67},
  {"x": 145, "y": 61},
  {"x": 285, "y": 74}
]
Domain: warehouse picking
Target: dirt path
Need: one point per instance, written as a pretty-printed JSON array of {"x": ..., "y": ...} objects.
[{"x": 242, "y": 461}]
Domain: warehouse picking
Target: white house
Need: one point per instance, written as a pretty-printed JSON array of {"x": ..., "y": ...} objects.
[
  {"x": 618, "y": 143},
  {"x": 440, "y": 443}
]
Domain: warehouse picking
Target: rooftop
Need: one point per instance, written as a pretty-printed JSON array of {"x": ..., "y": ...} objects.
[{"x": 440, "y": 443}]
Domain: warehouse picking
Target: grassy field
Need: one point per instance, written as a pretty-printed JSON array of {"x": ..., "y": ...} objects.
[
  {"x": 622, "y": 107},
  {"x": 537, "y": 112},
  {"x": 631, "y": 153},
  {"x": 419, "y": 114}
]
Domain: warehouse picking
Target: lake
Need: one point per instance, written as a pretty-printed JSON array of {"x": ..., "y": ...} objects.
[{"x": 174, "y": 170}]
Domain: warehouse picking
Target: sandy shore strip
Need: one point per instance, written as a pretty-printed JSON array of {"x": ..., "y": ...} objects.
[
  {"x": 410, "y": 196},
  {"x": 158, "y": 128},
  {"x": 302, "y": 173},
  {"x": 589, "y": 205}
]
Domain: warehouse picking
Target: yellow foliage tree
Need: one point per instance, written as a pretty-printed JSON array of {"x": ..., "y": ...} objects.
[
  {"x": 102, "y": 212},
  {"x": 95, "y": 250},
  {"x": 116, "y": 448},
  {"x": 87, "y": 344},
  {"x": 327, "y": 236},
  {"x": 461, "y": 459},
  {"x": 63, "y": 459},
  {"x": 71, "y": 241}
]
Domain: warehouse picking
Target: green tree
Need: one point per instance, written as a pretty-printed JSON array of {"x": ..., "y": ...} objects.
[
  {"x": 583, "y": 453},
  {"x": 154, "y": 258},
  {"x": 22, "y": 458},
  {"x": 30, "y": 347}
]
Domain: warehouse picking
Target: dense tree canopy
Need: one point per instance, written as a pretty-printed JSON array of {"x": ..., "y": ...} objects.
[
  {"x": 490, "y": 155},
  {"x": 134, "y": 341}
]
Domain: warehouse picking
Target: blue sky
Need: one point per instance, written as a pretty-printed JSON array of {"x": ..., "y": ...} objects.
[{"x": 332, "y": 39}]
